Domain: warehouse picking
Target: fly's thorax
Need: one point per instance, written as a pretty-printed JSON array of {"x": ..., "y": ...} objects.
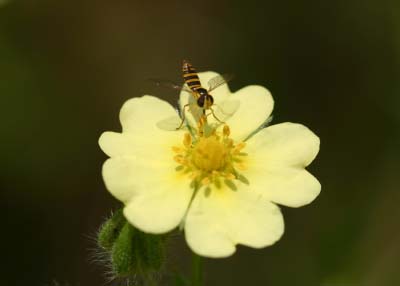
[{"x": 202, "y": 91}]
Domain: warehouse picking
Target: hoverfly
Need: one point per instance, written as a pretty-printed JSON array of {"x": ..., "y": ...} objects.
[{"x": 200, "y": 101}]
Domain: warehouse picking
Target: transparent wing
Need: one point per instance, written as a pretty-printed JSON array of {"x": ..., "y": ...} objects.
[
  {"x": 169, "y": 124},
  {"x": 169, "y": 84},
  {"x": 226, "y": 109},
  {"x": 218, "y": 81}
]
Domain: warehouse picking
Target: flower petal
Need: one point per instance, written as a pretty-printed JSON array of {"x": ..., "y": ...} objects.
[
  {"x": 149, "y": 144},
  {"x": 119, "y": 178},
  {"x": 256, "y": 105},
  {"x": 140, "y": 115},
  {"x": 131, "y": 155},
  {"x": 155, "y": 194},
  {"x": 286, "y": 144},
  {"x": 217, "y": 222},
  {"x": 277, "y": 158},
  {"x": 160, "y": 206},
  {"x": 141, "y": 136},
  {"x": 141, "y": 171},
  {"x": 116, "y": 144}
]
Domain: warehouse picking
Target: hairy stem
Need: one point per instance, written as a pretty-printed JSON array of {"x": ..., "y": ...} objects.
[{"x": 197, "y": 270}]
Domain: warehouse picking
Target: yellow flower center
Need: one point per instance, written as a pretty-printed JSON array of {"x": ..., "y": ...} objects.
[
  {"x": 213, "y": 159},
  {"x": 210, "y": 154}
]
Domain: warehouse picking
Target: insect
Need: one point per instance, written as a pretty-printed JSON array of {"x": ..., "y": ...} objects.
[{"x": 201, "y": 100}]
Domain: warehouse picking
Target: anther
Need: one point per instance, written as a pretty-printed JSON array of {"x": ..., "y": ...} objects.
[
  {"x": 206, "y": 181},
  {"x": 229, "y": 143},
  {"x": 179, "y": 159},
  {"x": 230, "y": 176},
  {"x": 241, "y": 166},
  {"x": 226, "y": 131},
  {"x": 177, "y": 149},
  {"x": 239, "y": 147},
  {"x": 187, "y": 140},
  {"x": 215, "y": 173}
]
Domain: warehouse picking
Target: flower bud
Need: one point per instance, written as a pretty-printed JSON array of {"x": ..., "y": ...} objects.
[
  {"x": 110, "y": 230},
  {"x": 137, "y": 253}
]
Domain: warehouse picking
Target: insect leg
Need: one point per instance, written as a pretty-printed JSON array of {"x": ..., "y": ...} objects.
[
  {"x": 183, "y": 116},
  {"x": 201, "y": 123},
  {"x": 213, "y": 114}
]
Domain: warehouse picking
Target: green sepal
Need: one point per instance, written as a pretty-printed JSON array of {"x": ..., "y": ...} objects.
[
  {"x": 136, "y": 252},
  {"x": 124, "y": 255},
  {"x": 110, "y": 230}
]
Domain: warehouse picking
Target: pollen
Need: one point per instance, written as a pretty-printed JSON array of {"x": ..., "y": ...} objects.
[
  {"x": 210, "y": 154},
  {"x": 211, "y": 159}
]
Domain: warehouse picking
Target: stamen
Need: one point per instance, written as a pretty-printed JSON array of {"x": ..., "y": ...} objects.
[
  {"x": 226, "y": 131},
  {"x": 181, "y": 160},
  {"x": 229, "y": 143},
  {"x": 187, "y": 140},
  {"x": 230, "y": 176},
  {"x": 241, "y": 166},
  {"x": 211, "y": 159},
  {"x": 239, "y": 147},
  {"x": 177, "y": 149},
  {"x": 194, "y": 175},
  {"x": 206, "y": 181}
]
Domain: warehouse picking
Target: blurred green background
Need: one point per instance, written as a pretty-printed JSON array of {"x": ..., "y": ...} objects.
[{"x": 66, "y": 67}]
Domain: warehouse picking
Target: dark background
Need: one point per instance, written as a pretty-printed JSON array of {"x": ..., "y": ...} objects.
[{"x": 66, "y": 67}]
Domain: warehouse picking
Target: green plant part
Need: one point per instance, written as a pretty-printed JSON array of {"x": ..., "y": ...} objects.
[
  {"x": 135, "y": 252},
  {"x": 110, "y": 230}
]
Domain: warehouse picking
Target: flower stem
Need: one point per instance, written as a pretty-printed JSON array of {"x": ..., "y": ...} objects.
[{"x": 197, "y": 270}]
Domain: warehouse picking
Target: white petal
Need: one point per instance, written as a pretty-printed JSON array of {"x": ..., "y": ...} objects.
[
  {"x": 160, "y": 206},
  {"x": 120, "y": 178},
  {"x": 131, "y": 155},
  {"x": 256, "y": 104},
  {"x": 149, "y": 144},
  {"x": 141, "y": 171},
  {"x": 141, "y": 137},
  {"x": 140, "y": 115},
  {"x": 277, "y": 158},
  {"x": 116, "y": 144},
  {"x": 155, "y": 194},
  {"x": 217, "y": 222},
  {"x": 126, "y": 176},
  {"x": 286, "y": 144}
]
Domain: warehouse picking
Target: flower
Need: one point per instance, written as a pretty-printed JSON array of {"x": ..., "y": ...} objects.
[{"x": 221, "y": 187}]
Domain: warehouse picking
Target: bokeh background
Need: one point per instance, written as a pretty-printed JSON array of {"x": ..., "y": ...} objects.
[{"x": 66, "y": 67}]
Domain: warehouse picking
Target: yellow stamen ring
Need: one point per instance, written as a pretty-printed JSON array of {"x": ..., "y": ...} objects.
[{"x": 210, "y": 160}]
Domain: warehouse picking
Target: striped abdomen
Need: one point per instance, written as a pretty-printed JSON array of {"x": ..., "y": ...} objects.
[{"x": 190, "y": 76}]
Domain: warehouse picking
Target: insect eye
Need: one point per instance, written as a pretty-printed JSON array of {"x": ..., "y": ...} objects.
[{"x": 200, "y": 101}]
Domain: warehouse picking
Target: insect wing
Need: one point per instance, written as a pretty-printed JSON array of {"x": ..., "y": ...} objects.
[
  {"x": 169, "y": 124},
  {"x": 169, "y": 84},
  {"x": 226, "y": 109},
  {"x": 218, "y": 81}
]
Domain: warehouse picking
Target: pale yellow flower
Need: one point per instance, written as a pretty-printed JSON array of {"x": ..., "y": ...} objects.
[{"x": 221, "y": 188}]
